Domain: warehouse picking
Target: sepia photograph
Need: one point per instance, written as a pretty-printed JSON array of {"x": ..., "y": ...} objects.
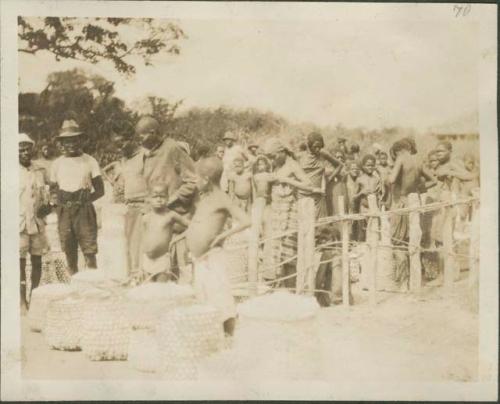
[{"x": 241, "y": 194}]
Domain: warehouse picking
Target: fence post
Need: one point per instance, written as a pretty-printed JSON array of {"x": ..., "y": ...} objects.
[
  {"x": 449, "y": 270},
  {"x": 306, "y": 244},
  {"x": 414, "y": 247},
  {"x": 253, "y": 244},
  {"x": 346, "y": 279},
  {"x": 384, "y": 254},
  {"x": 474, "y": 245},
  {"x": 372, "y": 239}
]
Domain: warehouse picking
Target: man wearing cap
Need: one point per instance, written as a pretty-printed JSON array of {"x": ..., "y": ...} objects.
[
  {"x": 157, "y": 161},
  {"x": 33, "y": 207},
  {"x": 76, "y": 182},
  {"x": 252, "y": 153},
  {"x": 231, "y": 152}
]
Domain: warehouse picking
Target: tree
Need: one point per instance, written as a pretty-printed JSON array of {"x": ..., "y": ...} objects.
[
  {"x": 119, "y": 40},
  {"x": 89, "y": 100}
]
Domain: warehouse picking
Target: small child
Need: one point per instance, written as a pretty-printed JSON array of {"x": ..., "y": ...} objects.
[
  {"x": 470, "y": 165},
  {"x": 157, "y": 233},
  {"x": 262, "y": 178},
  {"x": 383, "y": 170},
  {"x": 368, "y": 183},
  {"x": 240, "y": 184},
  {"x": 206, "y": 233}
]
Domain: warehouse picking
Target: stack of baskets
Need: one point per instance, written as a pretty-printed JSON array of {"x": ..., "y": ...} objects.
[
  {"x": 40, "y": 301},
  {"x": 145, "y": 305},
  {"x": 64, "y": 323},
  {"x": 236, "y": 257},
  {"x": 185, "y": 336}
]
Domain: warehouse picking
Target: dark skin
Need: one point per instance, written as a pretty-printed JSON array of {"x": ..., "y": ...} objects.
[
  {"x": 72, "y": 147},
  {"x": 25, "y": 156}
]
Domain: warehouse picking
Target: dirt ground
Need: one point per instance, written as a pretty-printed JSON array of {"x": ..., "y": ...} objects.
[{"x": 430, "y": 337}]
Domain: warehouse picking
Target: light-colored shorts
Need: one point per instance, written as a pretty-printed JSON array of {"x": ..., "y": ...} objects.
[
  {"x": 34, "y": 244},
  {"x": 156, "y": 266},
  {"x": 211, "y": 283}
]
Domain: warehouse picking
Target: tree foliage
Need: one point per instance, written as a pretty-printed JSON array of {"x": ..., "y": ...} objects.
[{"x": 118, "y": 40}]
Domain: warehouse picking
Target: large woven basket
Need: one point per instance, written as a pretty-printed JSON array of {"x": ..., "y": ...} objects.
[
  {"x": 277, "y": 339},
  {"x": 185, "y": 335},
  {"x": 40, "y": 300},
  {"x": 92, "y": 278},
  {"x": 54, "y": 269},
  {"x": 146, "y": 303},
  {"x": 236, "y": 255},
  {"x": 105, "y": 329},
  {"x": 63, "y": 330},
  {"x": 143, "y": 350}
]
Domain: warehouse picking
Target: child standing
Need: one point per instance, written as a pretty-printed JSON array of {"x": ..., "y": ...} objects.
[
  {"x": 240, "y": 184},
  {"x": 158, "y": 225},
  {"x": 383, "y": 170},
  {"x": 368, "y": 183},
  {"x": 206, "y": 233}
]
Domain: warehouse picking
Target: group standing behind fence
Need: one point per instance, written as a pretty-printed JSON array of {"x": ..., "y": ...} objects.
[{"x": 162, "y": 177}]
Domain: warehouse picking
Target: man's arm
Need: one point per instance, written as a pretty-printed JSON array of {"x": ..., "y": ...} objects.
[
  {"x": 185, "y": 169},
  {"x": 179, "y": 219},
  {"x": 239, "y": 216},
  {"x": 328, "y": 157},
  {"x": 393, "y": 175},
  {"x": 98, "y": 185}
]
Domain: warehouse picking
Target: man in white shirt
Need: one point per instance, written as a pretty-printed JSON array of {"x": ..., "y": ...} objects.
[
  {"x": 33, "y": 206},
  {"x": 76, "y": 178}
]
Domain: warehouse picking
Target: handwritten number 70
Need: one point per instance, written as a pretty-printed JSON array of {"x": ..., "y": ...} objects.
[{"x": 461, "y": 10}]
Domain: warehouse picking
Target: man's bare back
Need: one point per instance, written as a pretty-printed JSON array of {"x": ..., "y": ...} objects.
[
  {"x": 158, "y": 231},
  {"x": 208, "y": 222}
]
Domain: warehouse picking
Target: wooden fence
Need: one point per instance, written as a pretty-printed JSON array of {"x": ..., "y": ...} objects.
[{"x": 379, "y": 242}]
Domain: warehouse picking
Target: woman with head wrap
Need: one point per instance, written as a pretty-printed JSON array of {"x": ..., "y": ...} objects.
[
  {"x": 320, "y": 168},
  {"x": 289, "y": 179}
]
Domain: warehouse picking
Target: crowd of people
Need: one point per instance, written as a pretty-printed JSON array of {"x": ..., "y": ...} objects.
[{"x": 180, "y": 211}]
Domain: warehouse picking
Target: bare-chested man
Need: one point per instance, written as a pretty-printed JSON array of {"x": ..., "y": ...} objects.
[
  {"x": 206, "y": 232},
  {"x": 158, "y": 226}
]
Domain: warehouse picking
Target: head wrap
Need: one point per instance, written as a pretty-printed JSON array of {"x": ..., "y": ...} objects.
[{"x": 273, "y": 145}]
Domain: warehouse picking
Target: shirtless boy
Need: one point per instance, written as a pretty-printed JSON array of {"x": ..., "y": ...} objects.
[
  {"x": 206, "y": 232},
  {"x": 262, "y": 178},
  {"x": 240, "y": 184},
  {"x": 157, "y": 230}
]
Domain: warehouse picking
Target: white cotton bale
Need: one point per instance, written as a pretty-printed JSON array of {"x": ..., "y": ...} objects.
[
  {"x": 143, "y": 350},
  {"x": 185, "y": 335},
  {"x": 63, "y": 329},
  {"x": 105, "y": 329},
  {"x": 92, "y": 278},
  {"x": 283, "y": 327},
  {"x": 40, "y": 300},
  {"x": 148, "y": 302}
]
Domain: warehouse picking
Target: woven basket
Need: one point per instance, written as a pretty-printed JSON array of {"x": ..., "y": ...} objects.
[
  {"x": 184, "y": 336},
  {"x": 54, "y": 268},
  {"x": 143, "y": 350},
  {"x": 40, "y": 300},
  {"x": 283, "y": 327},
  {"x": 105, "y": 329},
  {"x": 236, "y": 256},
  {"x": 146, "y": 303},
  {"x": 64, "y": 324}
]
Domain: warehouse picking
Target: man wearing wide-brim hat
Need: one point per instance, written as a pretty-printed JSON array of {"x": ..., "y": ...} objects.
[
  {"x": 33, "y": 207},
  {"x": 76, "y": 180}
]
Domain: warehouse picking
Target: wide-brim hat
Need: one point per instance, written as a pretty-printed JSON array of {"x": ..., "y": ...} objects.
[
  {"x": 24, "y": 138},
  {"x": 229, "y": 135},
  {"x": 69, "y": 129}
]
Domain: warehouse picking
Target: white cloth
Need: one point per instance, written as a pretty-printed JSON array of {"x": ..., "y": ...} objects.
[
  {"x": 157, "y": 265},
  {"x": 74, "y": 173},
  {"x": 32, "y": 194},
  {"x": 211, "y": 283}
]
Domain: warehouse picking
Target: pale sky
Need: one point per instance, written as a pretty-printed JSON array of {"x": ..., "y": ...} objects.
[{"x": 357, "y": 73}]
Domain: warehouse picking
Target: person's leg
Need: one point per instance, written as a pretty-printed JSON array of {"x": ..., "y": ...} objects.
[
  {"x": 288, "y": 270},
  {"x": 67, "y": 238},
  {"x": 24, "y": 303},
  {"x": 85, "y": 228},
  {"x": 229, "y": 326},
  {"x": 36, "y": 271}
]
